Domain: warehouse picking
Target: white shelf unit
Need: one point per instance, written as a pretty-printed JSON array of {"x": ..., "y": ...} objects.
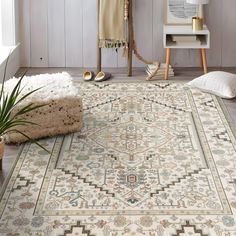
[{"x": 186, "y": 30}]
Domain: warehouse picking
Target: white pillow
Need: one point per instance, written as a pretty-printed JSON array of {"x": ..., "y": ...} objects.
[{"x": 222, "y": 84}]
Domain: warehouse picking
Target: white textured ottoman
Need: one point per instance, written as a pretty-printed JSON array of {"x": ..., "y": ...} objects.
[{"x": 62, "y": 113}]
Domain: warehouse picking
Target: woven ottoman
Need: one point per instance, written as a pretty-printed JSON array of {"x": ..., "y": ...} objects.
[{"x": 62, "y": 113}]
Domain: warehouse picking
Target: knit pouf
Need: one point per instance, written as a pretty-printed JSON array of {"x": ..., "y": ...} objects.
[{"x": 62, "y": 112}]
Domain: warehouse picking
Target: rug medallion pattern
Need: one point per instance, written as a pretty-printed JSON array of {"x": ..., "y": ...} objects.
[{"x": 152, "y": 159}]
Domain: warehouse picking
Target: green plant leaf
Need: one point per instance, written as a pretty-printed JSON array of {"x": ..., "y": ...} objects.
[
  {"x": 31, "y": 140},
  {"x": 27, "y": 109},
  {"x": 27, "y": 95},
  {"x": 5, "y": 128}
]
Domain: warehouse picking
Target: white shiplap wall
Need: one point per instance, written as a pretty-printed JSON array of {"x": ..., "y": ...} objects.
[{"x": 62, "y": 33}]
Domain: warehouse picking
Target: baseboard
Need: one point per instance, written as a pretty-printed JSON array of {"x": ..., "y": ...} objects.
[{"x": 13, "y": 63}]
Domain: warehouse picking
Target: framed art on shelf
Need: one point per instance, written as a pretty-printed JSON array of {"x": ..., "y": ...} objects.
[{"x": 179, "y": 12}]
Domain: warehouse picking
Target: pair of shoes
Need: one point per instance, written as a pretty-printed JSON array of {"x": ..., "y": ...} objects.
[{"x": 101, "y": 76}]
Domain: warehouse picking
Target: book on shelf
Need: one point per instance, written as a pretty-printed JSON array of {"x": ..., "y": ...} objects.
[
  {"x": 184, "y": 38},
  {"x": 195, "y": 43}
]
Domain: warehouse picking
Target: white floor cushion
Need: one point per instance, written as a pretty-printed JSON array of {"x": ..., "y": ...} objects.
[
  {"x": 62, "y": 112},
  {"x": 222, "y": 84}
]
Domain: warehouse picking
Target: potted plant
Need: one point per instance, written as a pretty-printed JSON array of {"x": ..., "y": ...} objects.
[{"x": 10, "y": 120}]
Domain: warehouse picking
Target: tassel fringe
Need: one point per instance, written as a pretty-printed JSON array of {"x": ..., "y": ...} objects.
[{"x": 106, "y": 43}]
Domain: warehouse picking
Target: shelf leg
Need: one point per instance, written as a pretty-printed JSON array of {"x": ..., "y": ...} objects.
[
  {"x": 131, "y": 38},
  {"x": 168, "y": 53},
  {"x": 99, "y": 59},
  {"x": 201, "y": 60},
  {"x": 204, "y": 60},
  {"x": 99, "y": 50}
]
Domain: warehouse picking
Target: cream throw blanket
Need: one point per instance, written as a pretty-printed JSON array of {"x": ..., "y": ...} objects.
[{"x": 112, "y": 33}]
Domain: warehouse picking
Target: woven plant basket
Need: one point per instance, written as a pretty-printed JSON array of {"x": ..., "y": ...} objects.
[{"x": 1, "y": 151}]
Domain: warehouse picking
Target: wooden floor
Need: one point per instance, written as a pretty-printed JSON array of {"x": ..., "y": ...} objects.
[{"x": 182, "y": 74}]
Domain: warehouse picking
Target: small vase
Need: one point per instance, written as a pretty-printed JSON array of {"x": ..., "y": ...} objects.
[
  {"x": 1, "y": 151},
  {"x": 197, "y": 23}
]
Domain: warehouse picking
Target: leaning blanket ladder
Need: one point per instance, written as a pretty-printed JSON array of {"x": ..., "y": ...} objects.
[
  {"x": 132, "y": 47},
  {"x": 130, "y": 41}
]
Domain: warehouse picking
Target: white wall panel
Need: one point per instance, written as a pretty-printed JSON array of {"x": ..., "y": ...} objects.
[
  {"x": 64, "y": 33},
  {"x": 24, "y": 31},
  {"x": 158, "y": 16},
  {"x": 56, "y": 33},
  {"x": 109, "y": 58},
  {"x": 74, "y": 33},
  {"x": 229, "y": 33},
  {"x": 89, "y": 33},
  {"x": 122, "y": 59},
  {"x": 214, "y": 19},
  {"x": 143, "y": 29},
  {"x": 38, "y": 33}
]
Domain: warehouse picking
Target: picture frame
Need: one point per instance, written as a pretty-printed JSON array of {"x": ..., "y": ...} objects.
[{"x": 179, "y": 12}]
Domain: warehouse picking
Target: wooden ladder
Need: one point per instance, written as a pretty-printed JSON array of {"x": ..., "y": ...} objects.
[{"x": 130, "y": 39}]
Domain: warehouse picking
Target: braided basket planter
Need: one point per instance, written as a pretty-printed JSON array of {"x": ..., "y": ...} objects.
[
  {"x": 62, "y": 112},
  {"x": 1, "y": 151}
]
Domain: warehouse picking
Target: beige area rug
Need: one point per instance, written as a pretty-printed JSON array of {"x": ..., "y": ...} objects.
[{"x": 152, "y": 159}]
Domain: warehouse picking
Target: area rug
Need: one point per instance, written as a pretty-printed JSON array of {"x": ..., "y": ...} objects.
[{"x": 152, "y": 159}]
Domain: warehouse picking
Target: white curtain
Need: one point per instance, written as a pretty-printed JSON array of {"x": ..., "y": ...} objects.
[
  {"x": 8, "y": 13},
  {"x": 0, "y": 23}
]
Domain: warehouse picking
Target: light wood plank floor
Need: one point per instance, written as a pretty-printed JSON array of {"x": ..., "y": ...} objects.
[{"x": 182, "y": 74}]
